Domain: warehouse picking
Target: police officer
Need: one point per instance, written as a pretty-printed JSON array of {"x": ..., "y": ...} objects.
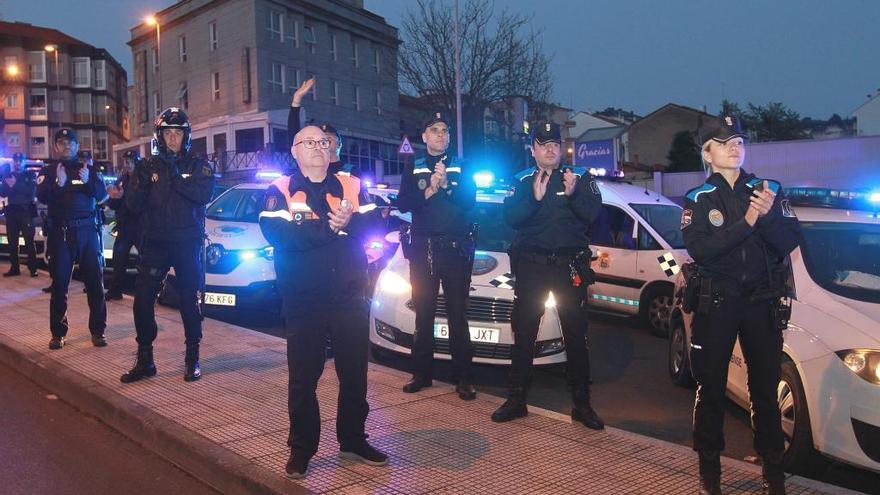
[
  {"x": 127, "y": 225},
  {"x": 20, "y": 187},
  {"x": 440, "y": 249},
  {"x": 169, "y": 191},
  {"x": 551, "y": 209},
  {"x": 318, "y": 224},
  {"x": 72, "y": 192},
  {"x": 739, "y": 229},
  {"x": 294, "y": 123}
]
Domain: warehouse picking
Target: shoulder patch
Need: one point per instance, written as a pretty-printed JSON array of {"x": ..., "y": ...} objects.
[
  {"x": 686, "y": 218},
  {"x": 694, "y": 194}
]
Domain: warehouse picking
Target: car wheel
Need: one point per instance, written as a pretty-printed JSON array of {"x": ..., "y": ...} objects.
[
  {"x": 656, "y": 306},
  {"x": 679, "y": 357},
  {"x": 800, "y": 456}
]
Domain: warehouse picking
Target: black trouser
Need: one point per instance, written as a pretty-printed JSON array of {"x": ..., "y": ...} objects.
[
  {"x": 451, "y": 265},
  {"x": 348, "y": 329},
  {"x": 712, "y": 341},
  {"x": 534, "y": 282},
  {"x": 125, "y": 239},
  {"x": 20, "y": 223},
  {"x": 156, "y": 259},
  {"x": 76, "y": 245}
]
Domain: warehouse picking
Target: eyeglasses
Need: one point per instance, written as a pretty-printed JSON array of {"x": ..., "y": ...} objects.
[{"x": 311, "y": 143}]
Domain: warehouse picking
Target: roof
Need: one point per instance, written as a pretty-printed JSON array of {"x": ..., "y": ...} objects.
[
  {"x": 602, "y": 133},
  {"x": 870, "y": 99},
  {"x": 25, "y": 30},
  {"x": 678, "y": 107}
]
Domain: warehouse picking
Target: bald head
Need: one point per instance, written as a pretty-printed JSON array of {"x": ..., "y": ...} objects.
[{"x": 311, "y": 151}]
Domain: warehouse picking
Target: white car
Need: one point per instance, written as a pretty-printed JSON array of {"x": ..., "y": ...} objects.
[
  {"x": 829, "y": 394},
  {"x": 635, "y": 230}
]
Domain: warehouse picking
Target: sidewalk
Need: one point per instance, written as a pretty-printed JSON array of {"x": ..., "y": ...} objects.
[{"x": 229, "y": 429}]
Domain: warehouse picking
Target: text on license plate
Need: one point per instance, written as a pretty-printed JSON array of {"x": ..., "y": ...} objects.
[
  {"x": 478, "y": 334},
  {"x": 219, "y": 299}
]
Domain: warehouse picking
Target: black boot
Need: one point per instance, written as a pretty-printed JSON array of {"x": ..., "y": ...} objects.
[
  {"x": 13, "y": 272},
  {"x": 417, "y": 383},
  {"x": 144, "y": 367},
  {"x": 710, "y": 472},
  {"x": 583, "y": 412},
  {"x": 773, "y": 474},
  {"x": 193, "y": 369},
  {"x": 514, "y": 407}
]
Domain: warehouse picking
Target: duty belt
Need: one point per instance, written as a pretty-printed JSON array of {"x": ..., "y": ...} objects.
[
  {"x": 547, "y": 258},
  {"x": 79, "y": 222}
]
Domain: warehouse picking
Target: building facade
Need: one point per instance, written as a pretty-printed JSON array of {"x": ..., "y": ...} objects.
[
  {"x": 233, "y": 65},
  {"x": 868, "y": 116},
  {"x": 50, "y": 80}
]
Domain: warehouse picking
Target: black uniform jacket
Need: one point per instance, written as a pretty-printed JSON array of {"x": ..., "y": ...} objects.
[
  {"x": 127, "y": 221},
  {"x": 22, "y": 194},
  {"x": 558, "y": 223},
  {"x": 75, "y": 200},
  {"x": 446, "y": 212},
  {"x": 724, "y": 245},
  {"x": 170, "y": 192}
]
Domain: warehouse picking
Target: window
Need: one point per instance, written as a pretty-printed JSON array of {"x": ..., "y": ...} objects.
[
  {"x": 156, "y": 108},
  {"x": 84, "y": 137},
  {"x": 37, "y": 103},
  {"x": 183, "y": 96},
  {"x": 215, "y": 86},
  {"x": 101, "y": 108},
  {"x": 38, "y": 146},
  {"x": 82, "y": 108},
  {"x": 613, "y": 227},
  {"x": 665, "y": 220},
  {"x": 376, "y": 67},
  {"x": 81, "y": 72},
  {"x": 291, "y": 30},
  {"x": 181, "y": 48},
  {"x": 100, "y": 149},
  {"x": 378, "y": 103},
  {"x": 355, "y": 58},
  {"x": 333, "y": 47},
  {"x": 273, "y": 25},
  {"x": 212, "y": 36},
  {"x": 10, "y": 60},
  {"x": 99, "y": 74},
  {"x": 276, "y": 83},
  {"x": 293, "y": 79},
  {"x": 309, "y": 37},
  {"x": 12, "y": 101},
  {"x": 57, "y": 105},
  {"x": 36, "y": 66},
  {"x": 13, "y": 139},
  {"x": 357, "y": 98},
  {"x": 155, "y": 57},
  {"x": 334, "y": 92}
]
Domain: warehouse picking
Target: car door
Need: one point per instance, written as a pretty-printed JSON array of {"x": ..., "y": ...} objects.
[{"x": 615, "y": 256}]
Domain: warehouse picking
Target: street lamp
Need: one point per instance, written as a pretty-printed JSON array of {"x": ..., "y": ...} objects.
[
  {"x": 11, "y": 70},
  {"x": 151, "y": 20},
  {"x": 54, "y": 49}
]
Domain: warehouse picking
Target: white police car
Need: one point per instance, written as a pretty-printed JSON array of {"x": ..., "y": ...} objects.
[
  {"x": 829, "y": 394},
  {"x": 636, "y": 256}
]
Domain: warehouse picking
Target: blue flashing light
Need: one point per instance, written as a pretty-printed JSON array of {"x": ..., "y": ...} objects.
[
  {"x": 368, "y": 183},
  {"x": 247, "y": 255},
  {"x": 376, "y": 245},
  {"x": 268, "y": 175},
  {"x": 484, "y": 179},
  {"x": 875, "y": 197}
]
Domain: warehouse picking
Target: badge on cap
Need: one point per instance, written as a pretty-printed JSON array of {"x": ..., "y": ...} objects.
[
  {"x": 716, "y": 218},
  {"x": 728, "y": 121},
  {"x": 437, "y": 115},
  {"x": 547, "y": 127}
]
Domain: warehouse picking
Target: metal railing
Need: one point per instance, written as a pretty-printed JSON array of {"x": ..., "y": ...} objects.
[{"x": 235, "y": 161}]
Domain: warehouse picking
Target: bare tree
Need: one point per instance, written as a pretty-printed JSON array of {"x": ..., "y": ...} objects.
[{"x": 501, "y": 56}]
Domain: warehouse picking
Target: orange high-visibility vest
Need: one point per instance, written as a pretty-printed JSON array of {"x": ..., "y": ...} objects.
[{"x": 296, "y": 203}]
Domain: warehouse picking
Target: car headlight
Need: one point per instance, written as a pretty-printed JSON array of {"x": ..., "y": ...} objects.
[
  {"x": 393, "y": 283},
  {"x": 213, "y": 254},
  {"x": 550, "y": 302},
  {"x": 863, "y": 362}
]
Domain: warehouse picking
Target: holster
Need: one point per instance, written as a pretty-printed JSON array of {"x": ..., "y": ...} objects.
[
  {"x": 582, "y": 274},
  {"x": 780, "y": 312},
  {"x": 406, "y": 240},
  {"x": 705, "y": 295}
]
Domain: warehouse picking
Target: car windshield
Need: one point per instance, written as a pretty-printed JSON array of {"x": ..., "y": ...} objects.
[
  {"x": 237, "y": 205},
  {"x": 494, "y": 234},
  {"x": 844, "y": 258},
  {"x": 665, "y": 219}
]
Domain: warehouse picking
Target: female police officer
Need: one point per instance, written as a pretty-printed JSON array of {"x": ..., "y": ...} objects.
[{"x": 739, "y": 229}]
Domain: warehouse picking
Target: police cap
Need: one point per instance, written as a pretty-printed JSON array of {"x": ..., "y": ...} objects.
[
  {"x": 722, "y": 130},
  {"x": 65, "y": 133},
  {"x": 547, "y": 132},
  {"x": 435, "y": 118},
  {"x": 329, "y": 129}
]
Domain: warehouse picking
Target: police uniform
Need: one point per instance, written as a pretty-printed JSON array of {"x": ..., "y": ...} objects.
[
  {"x": 169, "y": 191},
  {"x": 742, "y": 272},
  {"x": 128, "y": 232},
  {"x": 550, "y": 253},
  {"x": 74, "y": 238},
  {"x": 440, "y": 250},
  {"x": 20, "y": 212},
  {"x": 321, "y": 277}
]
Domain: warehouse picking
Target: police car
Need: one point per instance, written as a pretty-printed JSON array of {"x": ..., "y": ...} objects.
[
  {"x": 636, "y": 255},
  {"x": 829, "y": 394}
]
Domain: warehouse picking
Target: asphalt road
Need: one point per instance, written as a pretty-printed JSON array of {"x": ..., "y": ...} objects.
[{"x": 49, "y": 447}]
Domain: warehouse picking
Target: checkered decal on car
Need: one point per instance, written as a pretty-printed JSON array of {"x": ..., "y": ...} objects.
[
  {"x": 668, "y": 264},
  {"x": 505, "y": 281}
]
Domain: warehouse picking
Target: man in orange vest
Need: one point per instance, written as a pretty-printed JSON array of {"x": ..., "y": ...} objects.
[{"x": 318, "y": 224}]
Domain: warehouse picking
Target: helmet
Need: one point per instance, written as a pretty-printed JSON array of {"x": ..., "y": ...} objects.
[{"x": 173, "y": 118}]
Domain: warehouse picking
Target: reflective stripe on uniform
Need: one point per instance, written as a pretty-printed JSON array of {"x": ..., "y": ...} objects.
[
  {"x": 453, "y": 169},
  {"x": 421, "y": 170},
  {"x": 283, "y": 214},
  {"x": 367, "y": 208}
]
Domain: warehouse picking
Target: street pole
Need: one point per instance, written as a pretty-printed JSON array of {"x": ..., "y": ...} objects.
[
  {"x": 458, "y": 130},
  {"x": 54, "y": 50}
]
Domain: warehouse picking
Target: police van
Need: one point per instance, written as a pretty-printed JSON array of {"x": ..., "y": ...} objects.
[
  {"x": 637, "y": 250},
  {"x": 829, "y": 392}
]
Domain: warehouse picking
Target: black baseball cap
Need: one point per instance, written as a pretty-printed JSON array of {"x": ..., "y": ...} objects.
[
  {"x": 722, "y": 130},
  {"x": 435, "y": 118},
  {"x": 547, "y": 132},
  {"x": 65, "y": 133},
  {"x": 329, "y": 129}
]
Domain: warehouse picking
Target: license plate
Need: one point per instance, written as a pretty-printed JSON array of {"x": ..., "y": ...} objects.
[
  {"x": 218, "y": 299},
  {"x": 478, "y": 334}
]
